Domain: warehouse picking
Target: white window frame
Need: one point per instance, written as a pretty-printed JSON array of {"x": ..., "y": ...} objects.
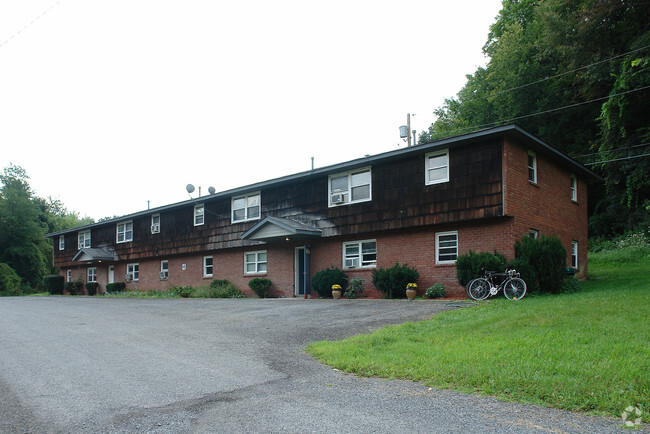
[
  {"x": 346, "y": 194},
  {"x": 125, "y": 233},
  {"x": 91, "y": 274},
  {"x": 248, "y": 215},
  {"x": 164, "y": 269},
  {"x": 68, "y": 276},
  {"x": 61, "y": 242},
  {"x": 574, "y": 254},
  {"x": 428, "y": 168},
  {"x": 446, "y": 247},
  {"x": 155, "y": 223},
  {"x": 532, "y": 169},
  {"x": 83, "y": 239},
  {"x": 133, "y": 270},
  {"x": 360, "y": 260},
  {"x": 261, "y": 266},
  {"x": 574, "y": 188},
  {"x": 199, "y": 214},
  {"x": 206, "y": 272},
  {"x": 533, "y": 233}
]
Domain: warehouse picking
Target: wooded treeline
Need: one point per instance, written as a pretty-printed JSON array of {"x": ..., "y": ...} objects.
[
  {"x": 25, "y": 253},
  {"x": 575, "y": 73}
]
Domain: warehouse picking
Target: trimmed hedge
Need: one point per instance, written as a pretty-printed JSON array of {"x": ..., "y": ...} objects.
[
  {"x": 392, "y": 281},
  {"x": 323, "y": 280},
  {"x": 53, "y": 284},
  {"x": 260, "y": 287},
  {"x": 91, "y": 288},
  {"x": 74, "y": 288},
  {"x": 116, "y": 287},
  {"x": 541, "y": 263},
  {"x": 471, "y": 265}
]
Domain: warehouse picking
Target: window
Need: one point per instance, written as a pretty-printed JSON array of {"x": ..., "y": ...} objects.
[
  {"x": 532, "y": 167},
  {"x": 207, "y": 266},
  {"x": 155, "y": 223},
  {"x": 534, "y": 234},
  {"x": 92, "y": 274},
  {"x": 132, "y": 272},
  {"x": 574, "y": 188},
  {"x": 436, "y": 167},
  {"x": 446, "y": 247},
  {"x": 574, "y": 254},
  {"x": 350, "y": 187},
  {"x": 124, "y": 232},
  {"x": 359, "y": 254},
  {"x": 255, "y": 262},
  {"x": 61, "y": 242},
  {"x": 164, "y": 269},
  {"x": 84, "y": 239},
  {"x": 246, "y": 207},
  {"x": 68, "y": 276},
  {"x": 198, "y": 215}
]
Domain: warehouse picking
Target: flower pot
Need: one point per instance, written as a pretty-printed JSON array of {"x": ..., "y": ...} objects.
[
  {"x": 410, "y": 293},
  {"x": 336, "y": 294}
]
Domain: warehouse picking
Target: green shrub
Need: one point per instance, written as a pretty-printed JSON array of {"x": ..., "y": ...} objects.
[
  {"x": 260, "y": 287},
  {"x": 116, "y": 287},
  {"x": 75, "y": 287},
  {"x": 53, "y": 283},
  {"x": 570, "y": 285},
  {"x": 392, "y": 281},
  {"x": 9, "y": 280},
  {"x": 541, "y": 263},
  {"x": 180, "y": 291},
  {"x": 323, "y": 280},
  {"x": 354, "y": 289},
  {"x": 435, "y": 291},
  {"x": 91, "y": 288},
  {"x": 218, "y": 289},
  {"x": 471, "y": 265}
]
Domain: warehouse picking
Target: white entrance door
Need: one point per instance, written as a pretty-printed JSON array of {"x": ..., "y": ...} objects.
[{"x": 111, "y": 274}]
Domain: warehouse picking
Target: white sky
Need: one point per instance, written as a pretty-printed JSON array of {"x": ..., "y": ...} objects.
[{"x": 109, "y": 104}]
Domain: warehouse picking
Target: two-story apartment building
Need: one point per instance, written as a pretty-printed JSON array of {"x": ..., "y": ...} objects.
[{"x": 422, "y": 205}]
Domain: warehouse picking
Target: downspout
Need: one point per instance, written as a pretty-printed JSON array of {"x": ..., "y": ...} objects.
[{"x": 305, "y": 281}]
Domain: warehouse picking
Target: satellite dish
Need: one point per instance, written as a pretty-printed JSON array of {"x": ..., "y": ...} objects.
[
  {"x": 189, "y": 188},
  {"x": 211, "y": 190}
]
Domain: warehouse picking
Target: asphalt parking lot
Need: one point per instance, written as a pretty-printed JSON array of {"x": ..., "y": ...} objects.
[{"x": 92, "y": 364}]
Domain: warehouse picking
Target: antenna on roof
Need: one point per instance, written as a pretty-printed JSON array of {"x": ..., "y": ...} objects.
[
  {"x": 190, "y": 189},
  {"x": 211, "y": 190}
]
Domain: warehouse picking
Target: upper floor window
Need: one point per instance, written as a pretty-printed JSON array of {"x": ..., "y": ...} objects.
[
  {"x": 155, "y": 223},
  {"x": 574, "y": 188},
  {"x": 132, "y": 272},
  {"x": 350, "y": 187},
  {"x": 199, "y": 217},
  {"x": 436, "y": 167},
  {"x": 446, "y": 247},
  {"x": 360, "y": 254},
  {"x": 533, "y": 233},
  {"x": 124, "y": 232},
  {"x": 207, "y": 266},
  {"x": 532, "y": 167},
  {"x": 92, "y": 274},
  {"x": 61, "y": 242},
  {"x": 84, "y": 239},
  {"x": 246, "y": 207},
  {"x": 255, "y": 262}
]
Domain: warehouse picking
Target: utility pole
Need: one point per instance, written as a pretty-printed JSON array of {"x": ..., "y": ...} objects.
[{"x": 408, "y": 128}]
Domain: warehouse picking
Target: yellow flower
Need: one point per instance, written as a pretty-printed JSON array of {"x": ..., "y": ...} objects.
[
  {"x": 411, "y": 285},
  {"x": 336, "y": 286}
]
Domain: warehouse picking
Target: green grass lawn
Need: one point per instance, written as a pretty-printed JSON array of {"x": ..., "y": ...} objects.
[{"x": 586, "y": 351}]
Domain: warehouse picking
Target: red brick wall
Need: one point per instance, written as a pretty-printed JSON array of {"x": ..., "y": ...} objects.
[{"x": 545, "y": 206}]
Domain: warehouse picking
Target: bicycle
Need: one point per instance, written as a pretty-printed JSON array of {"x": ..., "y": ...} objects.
[{"x": 514, "y": 288}]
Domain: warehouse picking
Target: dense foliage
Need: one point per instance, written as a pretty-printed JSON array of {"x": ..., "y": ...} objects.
[
  {"x": 541, "y": 263},
  {"x": 575, "y": 73},
  {"x": 260, "y": 287},
  {"x": 473, "y": 264},
  {"x": 53, "y": 283},
  {"x": 391, "y": 282}
]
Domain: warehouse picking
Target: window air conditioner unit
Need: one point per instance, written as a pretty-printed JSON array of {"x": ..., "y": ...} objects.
[
  {"x": 338, "y": 198},
  {"x": 351, "y": 263},
  {"x": 163, "y": 274},
  {"x": 128, "y": 277},
  {"x": 155, "y": 228}
]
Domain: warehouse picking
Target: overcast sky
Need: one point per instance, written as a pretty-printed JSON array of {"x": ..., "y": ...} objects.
[{"x": 110, "y": 104}]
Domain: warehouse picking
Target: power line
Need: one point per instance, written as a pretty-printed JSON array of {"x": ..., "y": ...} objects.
[
  {"x": 618, "y": 159},
  {"x": 613, "y": 150},
  {"x": 29, "y": 24},
  {"x": 558, "y": 75}
]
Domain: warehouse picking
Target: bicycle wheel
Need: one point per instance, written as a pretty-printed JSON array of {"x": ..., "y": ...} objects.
[
  {"x": 515, "y": 289},
  {"x": 478, "y": 289}
]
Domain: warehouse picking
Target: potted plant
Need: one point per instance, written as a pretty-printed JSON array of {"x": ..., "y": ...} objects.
[
  {"x": 411, "y": 290},
  {"x": 336, "y": 291}
]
